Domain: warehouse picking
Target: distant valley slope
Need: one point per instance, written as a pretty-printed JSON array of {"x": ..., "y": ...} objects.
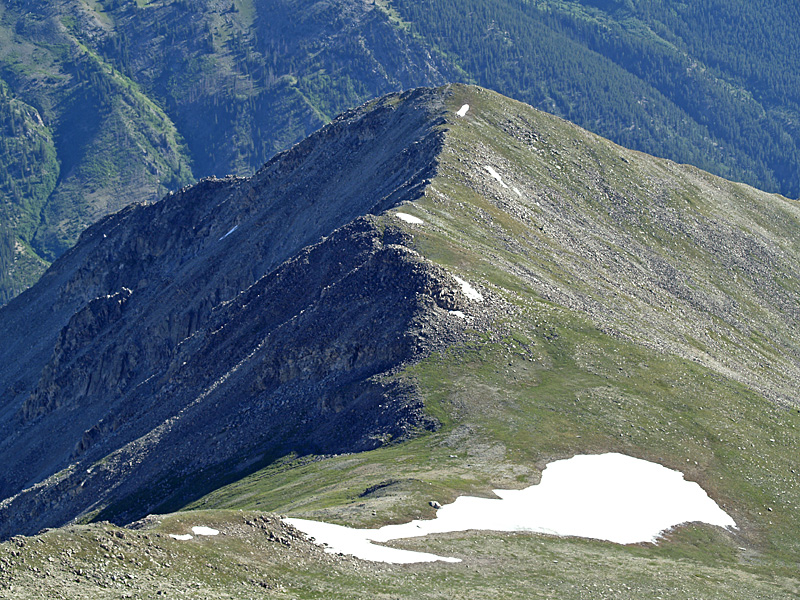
[{"x": 104, "y": 103}]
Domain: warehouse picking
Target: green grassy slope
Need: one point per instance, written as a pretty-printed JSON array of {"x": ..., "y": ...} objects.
[
  {"x": 28, "y": 174},
  {"x": 80, "y": 139},
  {"x": 254, "y": 557}
]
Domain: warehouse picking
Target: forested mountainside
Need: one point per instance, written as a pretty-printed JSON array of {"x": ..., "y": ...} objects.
[
  {"x": 710, "y": 83},
  {"x": 117, "y": 102},
  {"x": 435, "y": 295},
  {"x": 106, "y": 102}
]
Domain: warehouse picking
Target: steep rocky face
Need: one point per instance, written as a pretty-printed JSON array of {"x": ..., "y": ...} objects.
[
  {"x": 296, "y": 363},
  {"x": 196, "y": 316}
]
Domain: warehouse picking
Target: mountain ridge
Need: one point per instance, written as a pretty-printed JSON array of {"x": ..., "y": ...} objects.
[
  {"x": 491, "y": 288},
  {"x": 176, "y": 243}
]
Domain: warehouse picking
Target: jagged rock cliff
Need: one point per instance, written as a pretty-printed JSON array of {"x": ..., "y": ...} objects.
[{"x": 235, "y": 319}]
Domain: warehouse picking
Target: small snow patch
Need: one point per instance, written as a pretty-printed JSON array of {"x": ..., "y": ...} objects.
[
  {"x": 235, "y": 227},
  {"x": 182, "y": 537},
  {"x": 204, "y": 531},
  {"x": 496, "y": 175},
  {"x": 458, "y": 313},
  {"x": 409, "y": 218},
  {"x": 517, "y": 191},
  {"x": 469, "y": 291},
  {"x": 356, "y": 542},
  {"x": 462, "y": 112}
]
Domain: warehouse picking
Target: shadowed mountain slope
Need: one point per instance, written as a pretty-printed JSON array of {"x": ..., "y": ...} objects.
[
  {"x": 204, "y": 306},
  {"x": 103, "y": 104}
]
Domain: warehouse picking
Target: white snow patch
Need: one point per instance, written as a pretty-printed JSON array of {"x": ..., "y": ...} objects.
[
  {"x": 458, "y": 313},
  {"x": 469, "y": 291},
  {"x": 609, "y": 497},
  {"x": 517, "y": 191},
  {"x": 462, "y": 112},
  {"x": 495, "y": 174},
  {"x": 182, "y": 537},
  {"x": 199, "y": 530},
  {"x": 409, "y": 218},
  {"x": 356, "y": 542},
  {"x": 234, "y": 228}
]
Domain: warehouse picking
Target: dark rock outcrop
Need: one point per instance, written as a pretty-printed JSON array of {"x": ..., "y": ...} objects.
[
  {"x": 182, "y": 345},
  {"x": 237, "y": 319}
]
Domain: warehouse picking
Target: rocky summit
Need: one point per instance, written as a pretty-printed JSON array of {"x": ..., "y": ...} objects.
[{"x": 440, "y": 291}]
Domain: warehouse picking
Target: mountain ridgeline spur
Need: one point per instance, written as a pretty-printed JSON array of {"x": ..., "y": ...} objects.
[
  {"x": 183, "y": 344},
  {"x": 234, "y": 319}
]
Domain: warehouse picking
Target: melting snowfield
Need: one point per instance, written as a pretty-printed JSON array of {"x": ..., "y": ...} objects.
[
  {"x": 200, "y": 530},
  {"x": 609, "y": 497},
  {"x": 496, "y": 175},
  {"x": 234, "y": 228}
]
